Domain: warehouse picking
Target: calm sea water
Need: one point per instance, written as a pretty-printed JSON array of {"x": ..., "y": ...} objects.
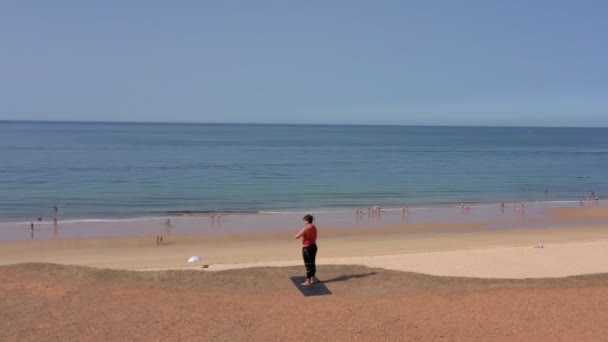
[{"x": 101, "y": 170}]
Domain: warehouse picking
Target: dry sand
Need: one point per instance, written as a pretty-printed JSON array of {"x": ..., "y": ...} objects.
[{"x": 449, "y": 251}]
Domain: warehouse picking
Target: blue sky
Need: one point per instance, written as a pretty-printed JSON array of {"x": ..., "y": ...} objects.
[{"x": 525, "y": 63}]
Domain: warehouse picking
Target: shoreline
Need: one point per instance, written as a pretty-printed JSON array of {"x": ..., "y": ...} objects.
[
  {"x": 537, "y": 214},
  {"x": 337, "y": 210}
]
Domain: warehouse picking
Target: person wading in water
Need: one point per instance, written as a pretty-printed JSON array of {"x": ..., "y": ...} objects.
[{"x": 309, "y": 249}]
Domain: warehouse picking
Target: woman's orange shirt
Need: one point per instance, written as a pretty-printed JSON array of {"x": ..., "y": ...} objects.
[{"x": 310, "y": 236}]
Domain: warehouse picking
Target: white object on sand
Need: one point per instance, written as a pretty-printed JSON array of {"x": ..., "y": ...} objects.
[{"x": 194, "y": 258}]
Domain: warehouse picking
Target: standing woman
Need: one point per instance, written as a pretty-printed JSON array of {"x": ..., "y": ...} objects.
[{"x": 309, "y": 249}]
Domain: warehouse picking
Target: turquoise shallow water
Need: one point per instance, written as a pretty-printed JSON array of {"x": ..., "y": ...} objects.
[{"x": 113, "y": 170}]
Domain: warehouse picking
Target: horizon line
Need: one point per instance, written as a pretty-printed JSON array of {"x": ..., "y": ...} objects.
[{"x": 285, "y": 124}]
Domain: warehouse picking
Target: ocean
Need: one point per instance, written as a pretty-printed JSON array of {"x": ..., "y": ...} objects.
[{"x": 129, "y": 170}]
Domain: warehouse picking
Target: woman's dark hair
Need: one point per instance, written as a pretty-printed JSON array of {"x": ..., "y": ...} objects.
[{"x": 308, "y": 218}]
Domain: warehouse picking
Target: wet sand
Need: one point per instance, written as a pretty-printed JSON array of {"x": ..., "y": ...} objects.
[{"x": 537, "y": 214}]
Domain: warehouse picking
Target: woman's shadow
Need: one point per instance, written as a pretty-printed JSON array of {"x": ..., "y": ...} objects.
[{"x": 348, "y": 277}]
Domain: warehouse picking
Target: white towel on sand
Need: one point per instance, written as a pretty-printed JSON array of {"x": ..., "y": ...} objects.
[{"x": 194, "y": 258}]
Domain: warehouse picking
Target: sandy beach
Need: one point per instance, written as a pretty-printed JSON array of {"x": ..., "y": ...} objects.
[
  {"x": 443, "y": 249},
  {"x": 411, "y": 282},
  {"x": 484, "y": 254}
]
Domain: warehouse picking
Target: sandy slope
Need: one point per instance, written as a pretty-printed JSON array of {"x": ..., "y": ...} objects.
[{"x": 67, "y": 303}]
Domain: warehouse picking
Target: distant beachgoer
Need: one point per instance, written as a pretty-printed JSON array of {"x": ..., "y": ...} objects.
[
  {"x": 55, "y": 209},
  {"x": 376, "y": 211},
  {"x": 32, "y": 226},
  {"x": 157, "y": 239},
  {"x": 546, "y": 192},
  {"x": 161, "y": 239},
  {"x": 309, "y": 248}
]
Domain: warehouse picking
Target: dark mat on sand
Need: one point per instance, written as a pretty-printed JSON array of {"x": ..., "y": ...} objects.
[{"x": 317, "y": 289}]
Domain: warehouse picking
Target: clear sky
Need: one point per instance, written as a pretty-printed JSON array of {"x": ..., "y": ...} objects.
[{"x": 517, "y": 62}]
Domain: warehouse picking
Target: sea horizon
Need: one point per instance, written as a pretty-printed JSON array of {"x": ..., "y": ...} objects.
[{"x": 292, "y": 124}]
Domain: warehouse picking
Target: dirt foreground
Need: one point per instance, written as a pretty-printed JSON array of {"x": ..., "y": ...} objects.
[{"x": 44, "y": 302}]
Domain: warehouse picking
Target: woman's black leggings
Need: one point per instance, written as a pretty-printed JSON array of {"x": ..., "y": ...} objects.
[{"x": 309, "y": 254}]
